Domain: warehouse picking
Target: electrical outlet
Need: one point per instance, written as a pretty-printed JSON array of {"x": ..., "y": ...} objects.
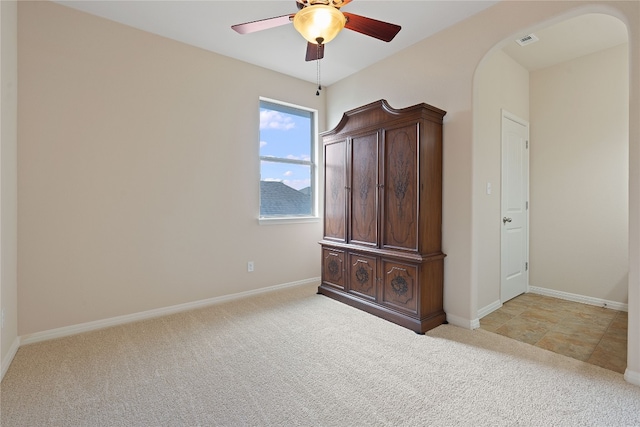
[{"x": 250, "y": 266}]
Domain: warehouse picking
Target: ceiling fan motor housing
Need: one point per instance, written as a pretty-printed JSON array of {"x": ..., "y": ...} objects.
[
  {"x": 319, "y": 23},
  {"x": 334, "y": 3}
]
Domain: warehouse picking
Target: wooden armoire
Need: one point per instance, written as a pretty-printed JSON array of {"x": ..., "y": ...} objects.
[{"x": 381, "y": 249}]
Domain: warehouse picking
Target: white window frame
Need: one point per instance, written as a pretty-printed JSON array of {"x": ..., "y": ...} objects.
[{"x": 313, "y": 166}]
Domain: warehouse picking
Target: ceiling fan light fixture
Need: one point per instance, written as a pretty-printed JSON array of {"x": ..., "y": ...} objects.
[{"x": 319, "y": 23}]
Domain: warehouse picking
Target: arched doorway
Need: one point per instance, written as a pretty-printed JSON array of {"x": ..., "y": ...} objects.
[{"x": 503, "y": 80}]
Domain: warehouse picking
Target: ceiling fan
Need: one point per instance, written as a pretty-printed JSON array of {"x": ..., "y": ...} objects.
[{"x": 319, "y": 21}]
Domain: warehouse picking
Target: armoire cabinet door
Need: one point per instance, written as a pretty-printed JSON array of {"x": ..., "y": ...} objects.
[
  {"x": 333, "y": 268},
  {"x": 362, "y": 275},
  {"x": 335, "y": 203},
  {"x": 400, "y": 224},
  {"x": 399, "y": 286},
  {"x": 364, "y": 190}
]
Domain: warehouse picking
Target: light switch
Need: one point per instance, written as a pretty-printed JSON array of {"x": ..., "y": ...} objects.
[{"x": 488, "y": 188}]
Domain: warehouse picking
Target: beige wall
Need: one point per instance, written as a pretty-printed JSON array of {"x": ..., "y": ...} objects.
[
  {"x": 440, "y": 71},
  {"x": 579, "y": 176},
  {"x": 500, "y": 83},
  {"x": 8, "y": 185},
  {"x": 138, "y": 173}
]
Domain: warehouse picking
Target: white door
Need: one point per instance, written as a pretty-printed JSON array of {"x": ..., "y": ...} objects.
[{"x": 514, "y": 200}]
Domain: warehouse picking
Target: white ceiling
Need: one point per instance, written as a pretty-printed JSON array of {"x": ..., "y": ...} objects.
[
  {"x": 207, "y": 25},
  {"x": 568, "y": 40}
]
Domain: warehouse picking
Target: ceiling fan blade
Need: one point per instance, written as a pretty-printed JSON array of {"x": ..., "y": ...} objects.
[
  {"x": 263, "y": 24},
  {"x": 314, "y": 51},
  {"x": 371, "y": 27}
]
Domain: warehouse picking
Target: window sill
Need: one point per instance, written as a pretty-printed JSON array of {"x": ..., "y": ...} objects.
[{"x": 288, "y": 220}]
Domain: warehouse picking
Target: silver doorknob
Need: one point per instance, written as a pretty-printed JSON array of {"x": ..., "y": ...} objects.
[{"x": 506, "y": 220}]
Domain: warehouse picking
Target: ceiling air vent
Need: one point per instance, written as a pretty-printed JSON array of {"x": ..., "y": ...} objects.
[{"x": 531, "y": 38}]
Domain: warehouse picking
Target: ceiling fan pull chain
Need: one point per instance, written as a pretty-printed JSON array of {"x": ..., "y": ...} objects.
[{"x": 318, "y": 70}]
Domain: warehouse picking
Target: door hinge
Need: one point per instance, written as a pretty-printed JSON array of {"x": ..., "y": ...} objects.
[
  {"x": 526, "y": 266},
  {"x": 526, "y": 145},
  {"x": 526, "y": 205}
]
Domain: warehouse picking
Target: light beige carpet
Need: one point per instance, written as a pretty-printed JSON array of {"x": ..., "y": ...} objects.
[{"x": 293, "y": 358}]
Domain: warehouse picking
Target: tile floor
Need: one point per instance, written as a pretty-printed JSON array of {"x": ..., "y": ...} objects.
[{"x": 592, "y": 334}]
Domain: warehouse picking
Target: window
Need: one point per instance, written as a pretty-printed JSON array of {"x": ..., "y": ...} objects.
[{"x": 287, "y": 169}]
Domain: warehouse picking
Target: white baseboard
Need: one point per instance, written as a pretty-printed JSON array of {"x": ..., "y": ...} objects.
[
  {"x": 632, "y": 377},
  {"x": 6, "y": 361},
  {"x": 475, "y": 323},
  {"x": 489, "y": 309},
  {"x": 462, "y": 322},
  {"x": 580, "y": 298},
  {"x": 134, "y": 317}
]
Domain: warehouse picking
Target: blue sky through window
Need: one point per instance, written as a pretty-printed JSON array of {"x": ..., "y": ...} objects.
[{"x": 285, "y": 135}]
